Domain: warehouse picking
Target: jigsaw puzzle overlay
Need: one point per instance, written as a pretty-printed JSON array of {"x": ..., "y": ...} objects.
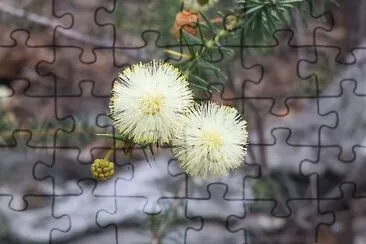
[{"x": 300, "y": 85}]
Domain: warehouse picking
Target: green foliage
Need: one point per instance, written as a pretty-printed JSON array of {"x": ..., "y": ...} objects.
[
  {"x": 163, "y": 18},
  {"x": 260, "y": 19},
  {"x": 264, "y": 189},
  {"x": 152, "y": 15},
  {"x": 44, "y": 132},
  {"x": 255, "y": 23},
  {"x": 318, "y": 7},
  {"x": 205, "y": 52},
  {"x": 160, "y": 225}
]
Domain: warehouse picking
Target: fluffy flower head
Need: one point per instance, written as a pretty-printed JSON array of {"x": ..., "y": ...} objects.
[
  {"x": 147, "y": 100},
  {"x": 211, "y": 141}
]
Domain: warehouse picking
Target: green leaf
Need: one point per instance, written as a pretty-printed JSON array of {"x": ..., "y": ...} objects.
[
  {"x": 152, "y": 151},
  {"x": 192, "y": 40},
  {"x": 202, "y": 38},
  {"x": 190, "y": 47},
  {"x": 143, "y": 148},
  {"x": 252, "y": 10},
  {"x": 204, "y": 85},
  {"x": 211, "y": 27},
  {"x": 209, "y": 66},
  {"x": 204, "y": 88}
]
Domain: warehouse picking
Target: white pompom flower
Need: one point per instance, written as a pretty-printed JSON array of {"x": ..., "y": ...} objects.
[
  {"x": 211, "y": 141},
  {"x": 148, "y": 100},
  {"x": 198, "y": 5}
]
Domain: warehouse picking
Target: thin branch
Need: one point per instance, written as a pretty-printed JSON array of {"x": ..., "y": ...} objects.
[
  {"x": 299, "y": 39},
  {"x": 260, "y": 131},
  {"x": 70, "y": 33}
]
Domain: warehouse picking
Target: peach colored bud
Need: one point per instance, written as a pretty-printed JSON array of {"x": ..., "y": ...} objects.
[{"x": 187, "y": 21}]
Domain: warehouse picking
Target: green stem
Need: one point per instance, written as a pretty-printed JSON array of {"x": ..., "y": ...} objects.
[{"x": 108, "y": 154}]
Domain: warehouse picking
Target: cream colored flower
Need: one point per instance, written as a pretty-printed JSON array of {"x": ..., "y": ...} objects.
[
  {"x": 198, "y": 5},
  {"x": 147, "y": 100},
  {"x": 211, "y": 141}
]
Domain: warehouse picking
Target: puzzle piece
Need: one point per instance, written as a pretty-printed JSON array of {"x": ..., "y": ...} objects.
[
  {"x": 18, "y": 159},
  {"x": 83, "y": 115},
  {"x": 347, "y": 91},
  {"x": 67, "y": 161},
  {"x": 353, "y": 100},
  {"x": 214, "y": 211},
  {"x": 26, "y": 118},
  {"x": 73, "y": 207},
  {"x": 46, "y": 22},
  {"x": 137, "y": 203},
  {"x": 39, "y": 225},
  {"x": 307, "y": 149},
  {"x": 88, "y": 14},
  {"x": 147, "y": 225},
  {"x": 71, "y": 67},
  {"x": 158, "y": 171},
  {"x": 23, "y": 59}
]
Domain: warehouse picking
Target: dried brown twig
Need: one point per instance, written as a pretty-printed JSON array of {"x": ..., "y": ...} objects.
[{"x": 70, "y": 33}]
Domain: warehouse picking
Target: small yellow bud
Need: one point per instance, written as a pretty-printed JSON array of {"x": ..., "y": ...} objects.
[
  {"x": 210, "y": 44},
  {"x": 230, "y": 22},
  {"x": 222, "y": 33},
  {"x": 102, "y": 169}
]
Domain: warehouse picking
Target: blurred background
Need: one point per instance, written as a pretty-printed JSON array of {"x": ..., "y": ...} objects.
[{"x": 303, "y": 95}]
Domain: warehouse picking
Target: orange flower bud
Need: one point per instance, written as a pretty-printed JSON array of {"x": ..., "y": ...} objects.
[{"x": 187, "y": 21}]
